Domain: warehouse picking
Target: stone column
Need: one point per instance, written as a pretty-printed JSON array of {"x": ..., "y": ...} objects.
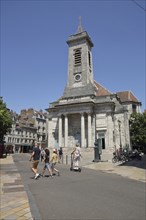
[
  {"x": 89, "y": 130},
  {"x": 93, "y": 129},
  {"x": 66, "y": 132},
  {"x": 82, "y": 130},
  {"x": 60, "y": 131}
]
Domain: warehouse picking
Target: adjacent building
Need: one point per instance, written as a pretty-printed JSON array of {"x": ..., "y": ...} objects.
[{"x": 27, "y": 127}]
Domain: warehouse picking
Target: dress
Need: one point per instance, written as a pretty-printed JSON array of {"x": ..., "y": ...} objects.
[{"x": 77, "y": 155}]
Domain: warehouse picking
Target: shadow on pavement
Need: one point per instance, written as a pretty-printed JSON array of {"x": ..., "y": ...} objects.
[{"x": 136, "y": 163}]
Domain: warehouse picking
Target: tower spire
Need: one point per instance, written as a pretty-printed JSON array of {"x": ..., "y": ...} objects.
[{"x": 80, "y": 29}]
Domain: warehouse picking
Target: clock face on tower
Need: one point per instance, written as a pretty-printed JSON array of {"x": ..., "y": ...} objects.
[{"x": 77, "y": 77}]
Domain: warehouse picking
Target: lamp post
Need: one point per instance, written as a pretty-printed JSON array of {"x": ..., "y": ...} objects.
[{"x": 119, "y": 123}]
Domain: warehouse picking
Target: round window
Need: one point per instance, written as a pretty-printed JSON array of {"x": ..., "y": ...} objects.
[{"x": 77, "y": 77}]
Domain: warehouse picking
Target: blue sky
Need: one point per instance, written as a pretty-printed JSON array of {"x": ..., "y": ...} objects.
[{"x": 34, "y": 53}]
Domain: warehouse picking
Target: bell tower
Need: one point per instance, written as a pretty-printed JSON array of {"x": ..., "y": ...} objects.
[{"x": 80, "y": 68}]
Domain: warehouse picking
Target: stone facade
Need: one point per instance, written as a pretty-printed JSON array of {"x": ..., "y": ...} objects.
[
  {"x": 29, "y": 126},
  {"x": 87, "y": 111}
]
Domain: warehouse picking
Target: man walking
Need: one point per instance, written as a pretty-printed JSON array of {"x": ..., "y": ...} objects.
[{"x": 35, "y": 157}]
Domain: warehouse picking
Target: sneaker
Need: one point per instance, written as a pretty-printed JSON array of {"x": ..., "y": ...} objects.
[{"x": 36, "y": 176}]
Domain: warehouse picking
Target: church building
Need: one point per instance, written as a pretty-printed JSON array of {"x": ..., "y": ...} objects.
[{"x": 87, "y": 112}]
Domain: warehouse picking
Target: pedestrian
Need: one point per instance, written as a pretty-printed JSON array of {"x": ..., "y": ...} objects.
[
  {"x": 42, "y": 154},
  {"x": 6, "y": 151},
  {"x": 60, "y": 154},
  {"x": 76, "y": 155},
  {"x": 47, "y": 163},
  {"x": 54, "y": 161},
  {"x": 120, "y": 151},
  {"x": 35, "y": 157}
]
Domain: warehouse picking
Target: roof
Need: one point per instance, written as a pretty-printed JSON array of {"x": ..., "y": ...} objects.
[
  {"x": 100, "y": 90},
  {"x": 127, "y": 96}
]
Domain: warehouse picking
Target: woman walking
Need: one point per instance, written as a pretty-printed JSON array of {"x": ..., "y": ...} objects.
[{"x": 47, "y": 163}]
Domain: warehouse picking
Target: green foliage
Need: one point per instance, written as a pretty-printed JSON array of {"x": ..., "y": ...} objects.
[
  {"x": 5, "y": 120},
  {"x": 138, "y": 129}
]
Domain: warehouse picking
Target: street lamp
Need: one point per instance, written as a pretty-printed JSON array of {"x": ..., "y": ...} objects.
[{"x": 119, "y": 123}]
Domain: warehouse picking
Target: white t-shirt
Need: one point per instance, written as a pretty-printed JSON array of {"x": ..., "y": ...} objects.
[{"x": 77, "y": 152}]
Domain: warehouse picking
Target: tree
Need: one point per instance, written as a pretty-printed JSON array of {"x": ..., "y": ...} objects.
[
  {"x": 138, "y": 130},
  {"x": 5, "y": 120}
]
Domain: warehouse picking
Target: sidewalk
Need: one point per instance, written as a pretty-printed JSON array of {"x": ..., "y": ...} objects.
[
  {"x": 14, "y": 202},
  {"x": 135, "y": 169},
  {"x": 125, "y": 171}
]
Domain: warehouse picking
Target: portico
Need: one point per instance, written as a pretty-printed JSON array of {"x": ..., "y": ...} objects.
[{"x": 82, "y": 134}]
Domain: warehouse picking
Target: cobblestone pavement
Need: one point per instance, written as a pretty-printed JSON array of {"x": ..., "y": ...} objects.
[{"x": 14, "y": 202}]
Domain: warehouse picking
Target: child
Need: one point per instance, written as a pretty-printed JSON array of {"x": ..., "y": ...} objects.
[
  {"x": 54, "y": 160},
  {"x": 47, "y": 163}
]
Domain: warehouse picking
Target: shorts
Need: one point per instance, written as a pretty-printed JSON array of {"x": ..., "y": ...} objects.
[
  {"x": 35, "y": 164},
  {"x": 47, "y": 166},
  {"x": 53, "y": 165}
]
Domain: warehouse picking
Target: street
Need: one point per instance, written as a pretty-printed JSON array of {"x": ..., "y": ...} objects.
[{"x": 91, "y": 194}]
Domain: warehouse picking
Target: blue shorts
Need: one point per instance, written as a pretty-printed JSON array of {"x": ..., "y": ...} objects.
[{"x": 47, "y": 166}]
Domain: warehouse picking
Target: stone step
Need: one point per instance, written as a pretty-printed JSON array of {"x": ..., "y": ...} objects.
[{"x": 88, "y": 155}]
